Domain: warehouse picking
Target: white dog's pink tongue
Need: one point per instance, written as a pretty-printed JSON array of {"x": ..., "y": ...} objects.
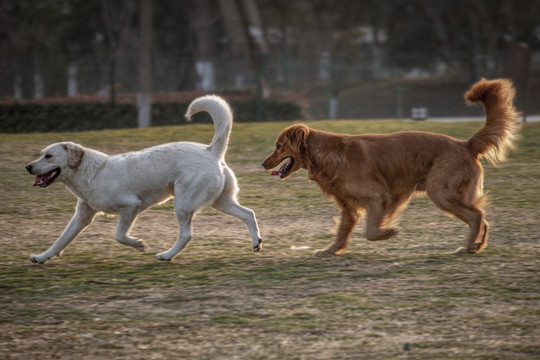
[
  {"x": 39, "y": 180},
  {"x": 47, "y": 179}
]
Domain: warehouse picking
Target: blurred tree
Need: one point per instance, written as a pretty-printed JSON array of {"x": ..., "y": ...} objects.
[
  {"x": 116, "y": 15},
  {"x": 173, "y": 45},
  {"x": 471, "y": 32},
  {"x": 203, "y": 22},
  {"x": 244, "y": 35},
  {"x": 26, "y": 34},
  {"x": 96, "y": 40},
  {"x": 75, "y": 39}
]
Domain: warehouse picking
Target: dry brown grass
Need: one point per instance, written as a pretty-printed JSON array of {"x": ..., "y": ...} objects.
[{"x": 405, "y": 298}]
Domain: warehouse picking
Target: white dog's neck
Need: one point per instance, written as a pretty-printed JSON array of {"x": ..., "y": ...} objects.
[{"x": 92, "y": 161}]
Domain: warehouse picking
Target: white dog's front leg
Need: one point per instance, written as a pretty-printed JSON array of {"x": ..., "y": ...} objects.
[{"x": 83, "y": 217}]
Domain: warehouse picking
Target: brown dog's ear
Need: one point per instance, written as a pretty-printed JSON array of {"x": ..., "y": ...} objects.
[
  {"x": 75, "y": 154},
  {"x": 298, "y": 136}
]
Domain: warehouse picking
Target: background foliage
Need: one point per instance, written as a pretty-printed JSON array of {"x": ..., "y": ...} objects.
[
  {"x": 318, "y": 51},
  {"x": 45, "y": 117}
]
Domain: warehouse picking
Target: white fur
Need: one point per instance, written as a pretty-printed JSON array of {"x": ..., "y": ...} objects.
[{"x": 194, "y": 174}]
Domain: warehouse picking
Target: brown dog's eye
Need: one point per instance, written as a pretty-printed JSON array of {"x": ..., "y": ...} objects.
[{"x": 278, "y": 146}]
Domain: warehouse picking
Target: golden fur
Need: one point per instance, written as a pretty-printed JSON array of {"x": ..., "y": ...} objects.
[{"x": 378, "y": 174}]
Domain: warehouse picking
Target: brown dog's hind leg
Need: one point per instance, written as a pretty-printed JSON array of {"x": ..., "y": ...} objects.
[
  {"x": 471, "y": 214},
  {"x": 349, "y": 219},
  {"x": 477, "y": 239}
]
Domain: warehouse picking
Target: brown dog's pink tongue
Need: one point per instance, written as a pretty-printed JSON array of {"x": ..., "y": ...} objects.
[{"x": 281, "y": 169}]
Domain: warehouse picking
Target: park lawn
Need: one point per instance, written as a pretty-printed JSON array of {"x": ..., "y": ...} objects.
[{"x": 408, "y": 297}]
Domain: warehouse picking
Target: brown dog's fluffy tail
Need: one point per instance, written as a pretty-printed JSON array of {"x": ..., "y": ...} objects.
[{"x": 499, "y": 132}]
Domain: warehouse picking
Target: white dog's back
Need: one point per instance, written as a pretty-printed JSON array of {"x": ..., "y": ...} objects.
[{"x": 155, "y": 174}]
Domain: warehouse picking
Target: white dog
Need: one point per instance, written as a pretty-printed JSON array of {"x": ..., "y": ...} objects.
[{"x": 127, "y": 184}]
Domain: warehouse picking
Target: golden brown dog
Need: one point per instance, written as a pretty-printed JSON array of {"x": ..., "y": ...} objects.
[{"x": 379, "y": 174}]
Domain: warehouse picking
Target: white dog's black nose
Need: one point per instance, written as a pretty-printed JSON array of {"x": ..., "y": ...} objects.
[{"x": 29, "y": 168}]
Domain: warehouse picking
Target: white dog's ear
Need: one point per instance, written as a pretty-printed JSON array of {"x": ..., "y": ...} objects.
[{"x": 75, "y": 154}]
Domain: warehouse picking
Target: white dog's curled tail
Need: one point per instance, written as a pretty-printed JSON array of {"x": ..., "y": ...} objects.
[{"x": 221, "y": 115}]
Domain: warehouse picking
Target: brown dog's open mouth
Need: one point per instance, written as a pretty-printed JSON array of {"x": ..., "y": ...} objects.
[
  {"x": 47, "y": 179},
  {"x": 285, "y": 168}
]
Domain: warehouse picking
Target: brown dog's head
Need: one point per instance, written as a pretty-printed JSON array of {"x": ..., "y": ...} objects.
[{"x": 290, "y": 146}]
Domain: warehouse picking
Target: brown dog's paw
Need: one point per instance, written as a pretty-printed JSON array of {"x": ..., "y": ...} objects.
[
  {"x": 464, "y": 250},
  {"x": 389, "y": 233},
  {"x": 460, "y": 250},
  {"x": 381, "y": 235},
  {"x": 480, "y": 247},
  {"x": 473, "y": 250},
  {"x": 323, "y": 252},
  {"x": 476, "y": 248}
]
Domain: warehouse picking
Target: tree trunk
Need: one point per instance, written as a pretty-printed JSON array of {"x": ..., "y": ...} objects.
[
  {"x": 144, "y": 98},
  {"x": 72, "y": 80},
  {"x": 205, "y": 49},
  {"x": 236, "y": 34}
]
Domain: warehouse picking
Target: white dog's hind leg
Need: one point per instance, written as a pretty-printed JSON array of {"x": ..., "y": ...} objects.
[
  {"x": 184, "y": 234},
  {"x": 83, "y": 217},
  {"x": 229, "y": 205},
  {"x": 126, "y": 219}
]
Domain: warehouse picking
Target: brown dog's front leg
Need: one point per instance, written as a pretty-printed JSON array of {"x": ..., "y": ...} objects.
[
  {"x": 349, "y": 219},
  {"x": 375, "y": 217}
]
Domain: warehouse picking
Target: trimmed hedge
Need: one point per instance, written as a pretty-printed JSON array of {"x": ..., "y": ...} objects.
[{"x": 82, "y": 116}]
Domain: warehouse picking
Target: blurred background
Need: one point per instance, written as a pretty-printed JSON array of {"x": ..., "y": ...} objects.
[{"x": 362, "y": 59}]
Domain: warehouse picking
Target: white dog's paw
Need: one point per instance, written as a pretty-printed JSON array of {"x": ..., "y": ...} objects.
[
  {"x": 164, "y": 256},
  {"x": 39, "y": 259},
  {"x": 258, "y": 247},
  {"x": 140, "y": 245},
  {"x": 134, "y": 243}
]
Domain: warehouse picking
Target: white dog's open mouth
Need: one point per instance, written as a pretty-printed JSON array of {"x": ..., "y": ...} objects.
[
  {"x": 285, "y": 168},
  {"x": 47, "y": 179}
]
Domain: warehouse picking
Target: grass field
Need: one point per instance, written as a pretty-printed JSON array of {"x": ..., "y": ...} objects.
[{"x": 408, "y": 297}]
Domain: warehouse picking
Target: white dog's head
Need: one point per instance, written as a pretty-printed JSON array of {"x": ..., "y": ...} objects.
[{"x": 55, "y": 160}]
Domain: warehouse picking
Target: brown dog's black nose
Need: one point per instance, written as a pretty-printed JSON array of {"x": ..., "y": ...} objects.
[
  {"x": 263, "y": 164},
  {"x": 29, "y": 168}
]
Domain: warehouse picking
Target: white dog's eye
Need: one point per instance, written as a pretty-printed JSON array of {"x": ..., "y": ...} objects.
[{"x": 48, "y": 156}]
